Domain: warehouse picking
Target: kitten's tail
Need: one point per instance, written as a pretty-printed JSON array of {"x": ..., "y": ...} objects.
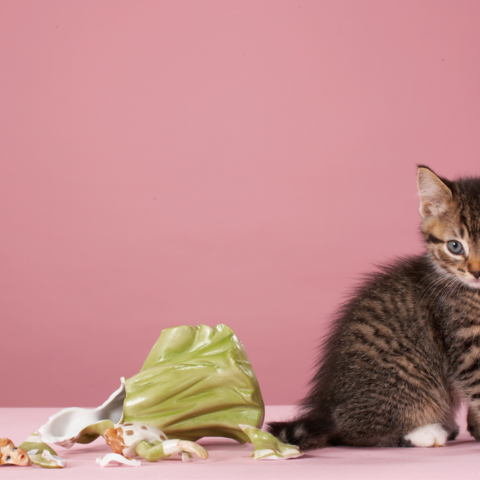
[{"x": 306, "y": 432}]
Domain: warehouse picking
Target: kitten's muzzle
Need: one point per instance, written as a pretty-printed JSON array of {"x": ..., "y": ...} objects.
[{"x": 475, "y": 273}]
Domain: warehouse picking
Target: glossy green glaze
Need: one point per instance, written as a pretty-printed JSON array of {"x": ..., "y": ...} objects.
[
  {"x": 266, "y": 446},
  {"x": 196, "y": 382},
  {"x": 92, "y": 432},
  {"x": 152, "y": 452}
]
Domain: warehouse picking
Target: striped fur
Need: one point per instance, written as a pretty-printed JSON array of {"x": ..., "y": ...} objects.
[{"x": 405, "y": 349}]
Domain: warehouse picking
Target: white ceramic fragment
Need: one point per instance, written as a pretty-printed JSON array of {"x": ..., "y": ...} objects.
[
  {"x": 54, "y": 459},
  {"x": 66, "y": 427},
  {"x": 271, "y": 454},
  {"x": 116, "y": 457},
  {"x": 184, "y": 446}
]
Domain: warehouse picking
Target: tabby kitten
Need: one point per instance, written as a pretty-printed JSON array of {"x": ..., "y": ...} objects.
[{"x": 405, "y": 349}]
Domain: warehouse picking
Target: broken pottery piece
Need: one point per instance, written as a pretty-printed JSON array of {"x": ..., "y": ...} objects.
[
  {"x": 116, "y": 457},
  {"x": 196, "y": 382},
  {"x": 150, "y": 443},
  {"x": 12, "y": 455},
  {"x": 41, "y": 454},
  {"x": 268, "y": 447},
  {"x": 84, "y": 425}
]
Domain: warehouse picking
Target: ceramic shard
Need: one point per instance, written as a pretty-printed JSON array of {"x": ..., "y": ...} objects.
[
  {"x": 40, "y": 453},
  {"x": 268, "y": 447},
  {"x": 83, "y": 425},
  {"x": 116, "y": 457}
]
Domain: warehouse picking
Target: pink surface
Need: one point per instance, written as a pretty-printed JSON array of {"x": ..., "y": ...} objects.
[
  {"x": 228, "y": 459},
  {"x": 174, "y": 162}
]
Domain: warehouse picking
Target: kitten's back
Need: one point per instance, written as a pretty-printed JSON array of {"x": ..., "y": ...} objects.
[{"x": 380, "y": 366}]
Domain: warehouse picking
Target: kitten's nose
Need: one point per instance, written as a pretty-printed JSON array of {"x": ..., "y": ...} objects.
[{"x": 475, "y": 273}]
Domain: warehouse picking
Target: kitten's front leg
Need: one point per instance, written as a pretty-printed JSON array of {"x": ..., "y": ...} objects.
[
  {"x": 473, "y": 422},
  {"x": 468, "y": 385}
]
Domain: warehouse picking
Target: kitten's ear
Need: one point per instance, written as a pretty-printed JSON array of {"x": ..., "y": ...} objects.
[{"x": 435, "y": 195}]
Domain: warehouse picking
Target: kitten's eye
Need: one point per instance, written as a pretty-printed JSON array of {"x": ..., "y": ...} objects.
[{"x": 455, "y": 247}]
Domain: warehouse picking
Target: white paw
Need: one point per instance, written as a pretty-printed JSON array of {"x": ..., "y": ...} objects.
[{"x": 432, "y": 435}]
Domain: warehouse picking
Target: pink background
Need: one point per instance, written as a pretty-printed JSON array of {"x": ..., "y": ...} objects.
[{"x": 239, "y": 162}]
